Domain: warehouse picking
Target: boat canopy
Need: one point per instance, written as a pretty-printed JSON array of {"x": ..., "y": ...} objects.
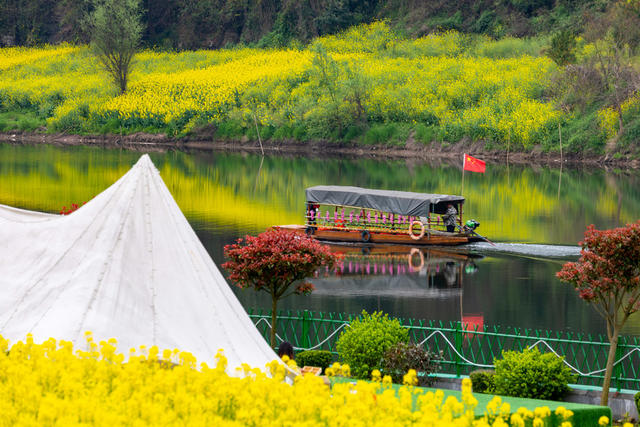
[{"x": 397, "y": 202}]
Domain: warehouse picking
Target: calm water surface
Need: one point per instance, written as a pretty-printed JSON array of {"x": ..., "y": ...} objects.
[{"x": 536, "y": 215}]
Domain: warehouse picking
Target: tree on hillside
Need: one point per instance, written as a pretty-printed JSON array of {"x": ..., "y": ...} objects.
[
  {"x": 563, "y": 46},
  {"x": 116, "y": 29},
  {"x": 276, "y": 262},
  {"x": 607, "y": 275}
]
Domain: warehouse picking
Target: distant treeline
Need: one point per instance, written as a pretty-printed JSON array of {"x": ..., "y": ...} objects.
[{"x": 191, "y": 24}]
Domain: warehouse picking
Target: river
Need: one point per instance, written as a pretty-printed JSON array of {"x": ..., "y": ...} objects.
[{"x": 534, "y": 214}]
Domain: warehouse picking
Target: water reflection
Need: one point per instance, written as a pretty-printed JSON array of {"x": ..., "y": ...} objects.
[
  {"x": 397, "y": 271},
  {"x": 225, "y": 196},
  {"x": 435, "y": 274}
]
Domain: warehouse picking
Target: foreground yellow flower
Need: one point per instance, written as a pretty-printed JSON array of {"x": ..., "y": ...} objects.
[
  {"x": 410, "y": 378},
  {"x": 53, "y": 384},
  {"x": 376, "y": 376}
]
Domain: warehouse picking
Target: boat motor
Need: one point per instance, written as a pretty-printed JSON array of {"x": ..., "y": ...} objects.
[{"x": 472, "y": 224}]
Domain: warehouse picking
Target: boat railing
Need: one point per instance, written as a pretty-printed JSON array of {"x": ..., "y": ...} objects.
[{"x": 371, "y": 220}]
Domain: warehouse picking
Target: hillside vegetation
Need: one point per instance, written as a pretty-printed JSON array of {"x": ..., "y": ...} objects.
[
  {"x": 365, "y": 84},
  {"x": 369, "y": 84},
  {"x": 182, "y": 24}
]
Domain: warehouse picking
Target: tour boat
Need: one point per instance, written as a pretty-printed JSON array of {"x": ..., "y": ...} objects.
[{"x": 361, "y": 215}]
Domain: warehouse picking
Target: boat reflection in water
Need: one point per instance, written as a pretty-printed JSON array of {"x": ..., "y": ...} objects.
[
  {"x": 401, "y": 279},
  {"x": 398, "y": 271}
]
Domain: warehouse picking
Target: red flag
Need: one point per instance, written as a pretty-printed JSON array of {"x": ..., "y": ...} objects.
[{"x": 472, "y": 164}]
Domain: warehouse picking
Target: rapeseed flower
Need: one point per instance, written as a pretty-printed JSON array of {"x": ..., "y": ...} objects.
[
  {"x": 433, "y": 80},
  {"x": 51, "y": 384}
]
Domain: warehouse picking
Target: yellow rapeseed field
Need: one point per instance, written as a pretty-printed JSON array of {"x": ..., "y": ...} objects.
[
  {"x": 13, "y": 56},
  {"x": 210, "y": 91},
  {"x": 370, "y": 74},
  {"x": 51, "y": 384}
]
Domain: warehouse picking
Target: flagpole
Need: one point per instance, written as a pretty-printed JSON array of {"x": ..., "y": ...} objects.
[{"x": 464, "y": 159}]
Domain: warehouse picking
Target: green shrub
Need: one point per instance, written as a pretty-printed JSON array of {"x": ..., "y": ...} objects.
[
  {"x": 532, "y": 374},
  {"x": 487, "y": 20},
  {"x": 446, "y": 22},
  {"x": 631, "y": 134},
  {"x": 282, "y": 132},
  {"x": 319, "y": 358},
  {"x": 583, "y": 135},
  {"x": 352, "y": 133},
  {"x": 29, "y": 123},
  {"x": 509, "y": 47},
  {"x": 112, "y": 125},
  {"x": 300, "y": 132},
  {"x": 230, "y": 129},
  {"x": 563, "y": 47},
  {"x": 380, "y": 133},
  {"x": 4, "y": 124},
  {"x": 425, "y": 133},
  {"x": 398, "y": 359},
  {"x": 637, "y": 397},
  {"x": 74, "y": 121},
  {"x": 482, "y": 381},
  {"x": 363, "y": 344}
]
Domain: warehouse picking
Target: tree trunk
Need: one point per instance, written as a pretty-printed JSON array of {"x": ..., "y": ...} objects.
[
  {"x": 613, "y": 346},
  {"x": 620, "y": 124},
  {"x": 274, "y": 318}
]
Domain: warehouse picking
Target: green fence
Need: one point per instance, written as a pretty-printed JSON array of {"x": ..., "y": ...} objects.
[{"x": 465, "y": 350}]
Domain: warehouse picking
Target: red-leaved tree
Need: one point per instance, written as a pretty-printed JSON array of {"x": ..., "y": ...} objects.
[
  {"x": 277, "y": 262},
  {"x": 607, "y": 275}
]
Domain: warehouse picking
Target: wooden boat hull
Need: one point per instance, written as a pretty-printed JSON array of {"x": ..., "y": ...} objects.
[{"x": 378, "y": 237}]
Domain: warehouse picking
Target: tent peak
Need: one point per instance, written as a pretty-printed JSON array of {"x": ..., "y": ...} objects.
[{"x": 144, "y": 159}]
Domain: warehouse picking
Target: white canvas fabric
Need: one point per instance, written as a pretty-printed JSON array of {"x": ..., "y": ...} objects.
[{"x": 126, "y": 265}]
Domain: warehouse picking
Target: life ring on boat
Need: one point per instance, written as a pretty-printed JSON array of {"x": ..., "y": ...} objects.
[
  {"x": 310, "y": 231},
  {"x": 366, "y": 236},
  {"x": 411, "y": 254},
  {"x": 418, "y": 236}
]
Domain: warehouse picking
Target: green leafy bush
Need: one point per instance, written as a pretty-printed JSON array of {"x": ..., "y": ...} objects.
[
  {"x": 319, "y": 358},
  {"x": 425, "y": 133},
  {"x": 631, "y": 134},
  {"x": 482, "y": 381},
  {"x": 532, "y": 374},
  {"x": 398, "y": 359},
  {"x": 637, "y": 397},
  {"x": 563, "y": 46},
  {"x": 29, "y": 123},
  {"x": 230, "y": 129},
  {"x": 366, "y": 341}
]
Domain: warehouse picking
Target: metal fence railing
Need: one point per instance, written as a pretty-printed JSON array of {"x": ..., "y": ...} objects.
[{"x": 466, "y": 348}]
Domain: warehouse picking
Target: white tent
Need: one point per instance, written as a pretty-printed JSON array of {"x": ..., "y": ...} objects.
[{"x": 126, "y": 265}]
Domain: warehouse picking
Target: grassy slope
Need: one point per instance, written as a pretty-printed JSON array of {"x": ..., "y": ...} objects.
[{"x": 367, "y": 85}]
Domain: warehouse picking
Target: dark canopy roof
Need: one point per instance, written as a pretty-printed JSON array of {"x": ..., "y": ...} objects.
[{"x": 398, "y": 202}]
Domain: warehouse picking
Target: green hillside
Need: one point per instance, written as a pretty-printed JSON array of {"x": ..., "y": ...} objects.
[{"x": 511, "y": 75}]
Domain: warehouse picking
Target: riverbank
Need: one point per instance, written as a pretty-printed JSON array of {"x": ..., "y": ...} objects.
[{"x": 409, "y": 150}]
